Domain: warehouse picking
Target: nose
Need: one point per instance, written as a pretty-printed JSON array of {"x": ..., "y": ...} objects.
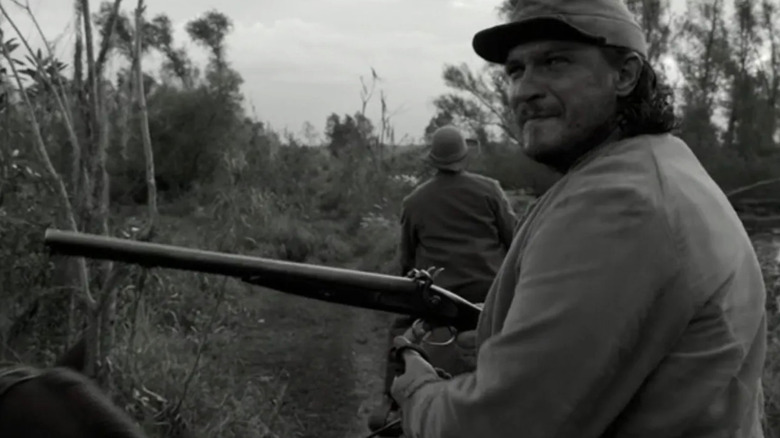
[{"x": 525, "y": 87}]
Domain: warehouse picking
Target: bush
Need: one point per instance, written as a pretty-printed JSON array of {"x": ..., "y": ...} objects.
[{"x": 31, "y": 296}]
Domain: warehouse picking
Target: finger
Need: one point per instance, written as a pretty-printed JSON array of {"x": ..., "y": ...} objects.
[
  {"x": 466, "y": 339},
  {"x": 410, "y": 354},
  {"x": 419, "y": 330},
  {"x": 424, "y": 325},
  {"x": 467, "y": 336},
  {"x": 418, "y": 333},
  {"x": 411, "y": 335}
]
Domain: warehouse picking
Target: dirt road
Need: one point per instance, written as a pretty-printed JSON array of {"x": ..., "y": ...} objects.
[{"x": 331, "y": 355}]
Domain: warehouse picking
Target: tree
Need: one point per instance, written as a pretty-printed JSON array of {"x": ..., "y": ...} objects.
[
  {"x": 742, "y": 135},
  {"x": 441, "y": 118},
  {"x": 345, "y": 136},
  {"x": 654, "y": 17},
  {"x": 210, "y": 31},
  {"x": 479, "y": 102},
  {"x": 701, "y": 56},
  {"x": 309, "y": 133},
  {"x": 769, "y": 71}
]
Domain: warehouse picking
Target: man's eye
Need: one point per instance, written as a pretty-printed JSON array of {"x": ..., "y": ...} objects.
[
  {"x": 515, "y": 70},
  {"x": 556, "y": 60}
]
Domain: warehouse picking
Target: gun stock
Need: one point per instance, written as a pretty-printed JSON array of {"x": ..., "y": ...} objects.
[{"x": 343, "y": 286}]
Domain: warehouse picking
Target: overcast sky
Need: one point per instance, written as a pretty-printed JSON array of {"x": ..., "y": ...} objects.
[{"x": 302, "y": 59}]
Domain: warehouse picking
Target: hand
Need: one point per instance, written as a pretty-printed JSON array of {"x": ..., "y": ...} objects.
[
  {"x": 417, "y": 372},
  {"x": 466, "y": 345}
]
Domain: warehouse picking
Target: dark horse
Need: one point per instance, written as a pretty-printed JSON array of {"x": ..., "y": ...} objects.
[{"x": 59, "y": 402}]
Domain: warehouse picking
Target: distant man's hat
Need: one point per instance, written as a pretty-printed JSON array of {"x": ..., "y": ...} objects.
[
  {"x": 448, "y": 149},
  {"x": 600, "y": 22}
]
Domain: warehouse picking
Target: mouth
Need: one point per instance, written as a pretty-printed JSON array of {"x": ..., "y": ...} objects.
[{"x": 532, "y": 119}]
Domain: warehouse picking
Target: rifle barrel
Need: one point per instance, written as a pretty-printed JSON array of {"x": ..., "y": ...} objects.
[
  {"x": 175, "y": 257},
  {"x": 344, "y": 286}
]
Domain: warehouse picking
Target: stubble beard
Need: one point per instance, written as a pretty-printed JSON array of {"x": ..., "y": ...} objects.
[{"x": 560, "y": 150}]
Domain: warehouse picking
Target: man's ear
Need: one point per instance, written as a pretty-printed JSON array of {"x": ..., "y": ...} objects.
[{"x": 628, "y": 74}]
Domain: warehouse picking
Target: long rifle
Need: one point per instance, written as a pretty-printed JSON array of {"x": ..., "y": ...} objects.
[{"x": 419, "y": 299}]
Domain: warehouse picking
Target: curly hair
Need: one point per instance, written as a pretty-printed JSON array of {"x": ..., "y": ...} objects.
[{"x": 649, "y": 109}]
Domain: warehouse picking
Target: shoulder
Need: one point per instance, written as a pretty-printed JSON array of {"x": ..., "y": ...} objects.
[
  {"x": 483, "y": 181},
  {"x": 629, "y": 167},
  {"x": 624, "y": 181},
  {"x": 417, "y": 192}
]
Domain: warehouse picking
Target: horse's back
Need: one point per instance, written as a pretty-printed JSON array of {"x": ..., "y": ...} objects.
[{"x": 28, "y": 408}]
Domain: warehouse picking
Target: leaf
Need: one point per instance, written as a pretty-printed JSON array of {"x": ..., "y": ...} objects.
[
  {"x": 29, "y": 72},
  {"x": 11, "y": 45}
]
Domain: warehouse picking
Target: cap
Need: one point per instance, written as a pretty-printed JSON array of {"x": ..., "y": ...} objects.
[
  {"x": 448, "y": 149},
  {"x": 600, "y": 22}
]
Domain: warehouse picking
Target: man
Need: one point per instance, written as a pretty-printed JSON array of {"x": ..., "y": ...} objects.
[
  {"x": 458, "y": 221},
  {"x": 631, "y": 303}
]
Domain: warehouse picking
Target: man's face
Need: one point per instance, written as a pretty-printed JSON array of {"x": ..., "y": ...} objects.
[{"x": 563, "y": 97}]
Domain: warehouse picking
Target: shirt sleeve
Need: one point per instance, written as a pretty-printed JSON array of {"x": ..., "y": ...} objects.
[
  {"x": 506, "y": 219},
  {"x": 588, "y": 277},
  {"x": 408, "y": 243}
]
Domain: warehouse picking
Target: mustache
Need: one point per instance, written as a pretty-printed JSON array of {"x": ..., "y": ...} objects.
[{"x": 527, "y": 112}]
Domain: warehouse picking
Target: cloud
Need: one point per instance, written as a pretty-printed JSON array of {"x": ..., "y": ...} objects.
[
  {"x": 473, "y": 4},
  {"x": 302, "y": 59},
  {"x": 293, "y": 49}
]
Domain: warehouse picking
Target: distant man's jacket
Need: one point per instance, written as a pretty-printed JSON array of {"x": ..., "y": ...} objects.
[
  {"x": 461, "y": 222},
  {"x": 631, "y": 304}
]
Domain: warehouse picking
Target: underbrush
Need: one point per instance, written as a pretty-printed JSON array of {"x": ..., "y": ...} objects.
[
  {"x": 183, "y": 377},
  {"x": 176, "y": 364}
]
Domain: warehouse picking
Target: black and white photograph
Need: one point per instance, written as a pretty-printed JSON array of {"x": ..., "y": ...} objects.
[{"x": 390, "y": 218}]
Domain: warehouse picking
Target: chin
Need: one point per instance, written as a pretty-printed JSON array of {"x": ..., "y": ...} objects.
[
  {"x": 542, "y": 136},
  {"x": 537, "y": 146},
  {"x": 551, "y": 152}
]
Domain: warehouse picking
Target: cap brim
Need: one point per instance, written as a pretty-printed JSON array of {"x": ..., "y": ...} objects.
[{"x": 495, "y": 43}]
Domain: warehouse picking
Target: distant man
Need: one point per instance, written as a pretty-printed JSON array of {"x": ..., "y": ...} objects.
[
  {"x": 458, "y": 221},
  {"x": 631, "y": 303}
]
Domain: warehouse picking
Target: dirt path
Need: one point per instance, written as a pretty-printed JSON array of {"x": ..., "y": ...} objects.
[{"x": 331, "y": 353}]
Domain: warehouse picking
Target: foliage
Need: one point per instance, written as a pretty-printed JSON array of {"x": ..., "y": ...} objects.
[{"x": 230, "y": 183}]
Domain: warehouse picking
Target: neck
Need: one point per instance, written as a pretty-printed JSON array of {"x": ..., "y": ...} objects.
[
  {"x": 448, "y": 172},
  {"x": 563, "y": 161}
]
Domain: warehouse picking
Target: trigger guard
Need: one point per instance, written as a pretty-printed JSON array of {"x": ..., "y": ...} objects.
[{"x": 450, "y": 341}]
